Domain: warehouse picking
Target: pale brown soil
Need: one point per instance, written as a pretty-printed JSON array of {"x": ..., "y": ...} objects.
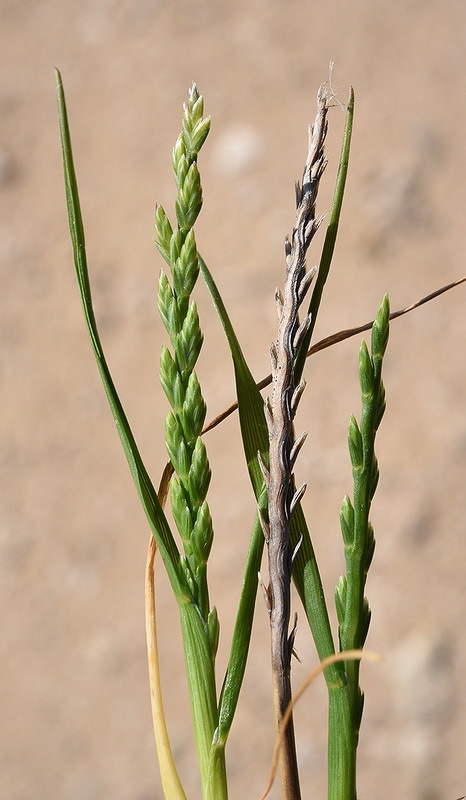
[{"x": 75, "y": 717}]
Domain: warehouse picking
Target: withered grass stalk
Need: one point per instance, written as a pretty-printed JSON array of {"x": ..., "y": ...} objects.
[{"x": 283, "y": 447}]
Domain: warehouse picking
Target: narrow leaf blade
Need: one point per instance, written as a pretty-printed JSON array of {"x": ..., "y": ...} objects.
[{"x": 146, "y": 491}]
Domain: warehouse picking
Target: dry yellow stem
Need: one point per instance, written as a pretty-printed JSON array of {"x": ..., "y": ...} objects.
[{"x": 171, "y": 783}]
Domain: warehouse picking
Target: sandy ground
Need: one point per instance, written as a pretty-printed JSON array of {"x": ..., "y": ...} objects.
[{"x": 75, "y": 717}]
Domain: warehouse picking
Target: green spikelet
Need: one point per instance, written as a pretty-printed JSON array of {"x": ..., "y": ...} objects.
[
  {"x": 184, "y": 422},
  {"x": 352, "y": 606}
]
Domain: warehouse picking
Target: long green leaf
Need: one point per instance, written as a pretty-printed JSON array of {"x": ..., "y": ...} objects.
[
  {"x": 146, "y": 491},
  {"x": 251, "y": 419},
  {"x": 255, "y": 439}
]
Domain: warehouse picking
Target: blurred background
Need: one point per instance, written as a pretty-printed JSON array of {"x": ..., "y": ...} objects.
[{"x": 74, "y": 690}]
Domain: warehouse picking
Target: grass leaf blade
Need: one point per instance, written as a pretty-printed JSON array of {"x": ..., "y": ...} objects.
[
  {"x": 146, "y": 491},
  {"x": 254, "y": 435}
]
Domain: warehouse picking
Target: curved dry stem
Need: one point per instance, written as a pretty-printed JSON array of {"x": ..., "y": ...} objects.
[
  {"x": 329, "y": 341},
  {"x": 171, "y": 783},
  {"x": 348, "y": 655},
  {"x": 340, "y": 336}
]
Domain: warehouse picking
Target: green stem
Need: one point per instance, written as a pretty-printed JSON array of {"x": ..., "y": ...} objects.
[
  {"x": 202, "y": 693},
  {"x": 341, "y": 747}
]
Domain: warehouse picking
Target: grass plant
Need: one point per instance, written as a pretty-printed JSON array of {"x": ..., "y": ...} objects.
[{"x": 270, "y": 449}]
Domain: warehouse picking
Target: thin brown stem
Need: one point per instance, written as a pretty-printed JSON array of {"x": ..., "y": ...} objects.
[
  {"x": 329, "y": 341},
  {"x": 335, "y": 338}
]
